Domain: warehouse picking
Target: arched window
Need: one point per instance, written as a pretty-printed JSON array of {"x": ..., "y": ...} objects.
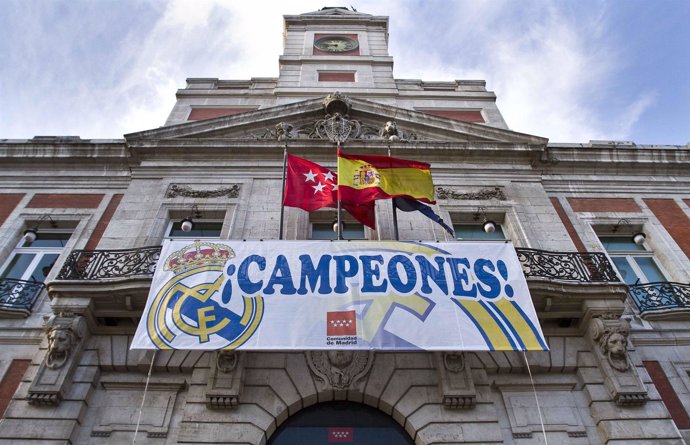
[{"x": 340, "y": 422}]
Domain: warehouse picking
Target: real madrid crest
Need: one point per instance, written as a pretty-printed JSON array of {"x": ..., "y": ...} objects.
[{"x": 194, "y": 309}]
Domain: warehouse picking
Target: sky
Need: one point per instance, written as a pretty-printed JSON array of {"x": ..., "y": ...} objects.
[{"x": 570, "y": 70}]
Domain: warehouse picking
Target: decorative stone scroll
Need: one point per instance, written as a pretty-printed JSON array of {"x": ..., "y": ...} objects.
[
  {"x": 225, "y": 380},
  {"x": 481, "y": 195},
  {"x": 187, "y": 191},
  {"x": 66, "y": 335},
  {"x": 456, "y": 381},
  {"x": 609, "y": 337},
  {"x": 340, "y": 369}
]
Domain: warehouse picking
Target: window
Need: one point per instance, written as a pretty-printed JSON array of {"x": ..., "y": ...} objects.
[
  {"x": 476, "y": 232},
  {"x": 634, "y": 262},
  {"x": 32, "y": 261},
  {"x": 200, "y": 229}
]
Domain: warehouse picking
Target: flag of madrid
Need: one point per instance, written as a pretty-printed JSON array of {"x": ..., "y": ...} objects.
[
  {"x": 340, "y": 435},
  {"x": 309, "y": 186}
]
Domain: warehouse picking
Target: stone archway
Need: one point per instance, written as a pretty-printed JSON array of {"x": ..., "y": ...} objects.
[{"x": 340, "y": 422}]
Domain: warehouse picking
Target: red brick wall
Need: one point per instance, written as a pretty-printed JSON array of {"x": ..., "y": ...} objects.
[
  {"x": 458, "y": 115},
  {"x": 10, "y": 382},
  {"x": 674, "y": 220},
  {"x": 603, "y": 205},
  {"x": 65, "y": 201},
  {"x": 668, "y": 395},
  {"x": 8, "y": 201},
  {"x": 336, "y": 77},
  {"x": 579, "y": 245},
  {"x": 198, "y": 114},
  {"x": 95, "y": 238}
]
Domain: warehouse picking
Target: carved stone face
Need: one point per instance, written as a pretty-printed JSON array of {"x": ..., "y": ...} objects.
[
  {"x": 617, "y": 345},
  {"x": 340, "y": 359},
  {"x": 390, "y": 128},
  {"x": 59, "y": 340}
]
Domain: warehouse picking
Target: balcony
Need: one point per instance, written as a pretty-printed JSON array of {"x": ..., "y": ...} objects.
[
  {"x": 662, "y": 299},
  {"x": 17, "y": 297},
  {"x": 114, "y": 284},
  {"x": 567, "y": 266},
  {"x": 102, "y": 264}
]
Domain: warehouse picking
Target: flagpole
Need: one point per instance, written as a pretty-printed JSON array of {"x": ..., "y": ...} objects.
[
  {"x": 340, "y": 232},
  {"x": 282, "y": 196},
  {"x": 395, "y": 209}
]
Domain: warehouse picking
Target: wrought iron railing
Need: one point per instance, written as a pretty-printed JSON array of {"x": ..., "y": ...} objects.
[
  {"x": 661, "y": 296},
  {"x": 99, "y": 264},
  {"x": 568, "y": 266},
  {"x": 18, "y": 295}
]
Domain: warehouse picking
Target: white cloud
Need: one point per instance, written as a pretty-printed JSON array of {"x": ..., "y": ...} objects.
[
  {"x": 551, "y": 68},
  {"x": 632, "y": 114}
]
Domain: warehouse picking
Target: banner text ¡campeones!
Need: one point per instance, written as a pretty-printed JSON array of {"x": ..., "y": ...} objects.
[{"x": 378, "y": 275}]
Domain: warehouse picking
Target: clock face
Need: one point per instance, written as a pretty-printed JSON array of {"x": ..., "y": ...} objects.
[{"x": 335, "y": 44}]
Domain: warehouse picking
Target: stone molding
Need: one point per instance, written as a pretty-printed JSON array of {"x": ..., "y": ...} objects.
[
  {"x": 157, "y": 411},
  {"x": 525, "y": 421}
]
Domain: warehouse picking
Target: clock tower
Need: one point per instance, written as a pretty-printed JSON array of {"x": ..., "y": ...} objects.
[{"x": 336, "y": 49}]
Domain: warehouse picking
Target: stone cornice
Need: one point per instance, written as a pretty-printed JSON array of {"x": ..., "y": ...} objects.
[{"x": 615, "y": 162}]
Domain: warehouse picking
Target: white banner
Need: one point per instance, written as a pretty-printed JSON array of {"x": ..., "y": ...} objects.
[{"x": 309, "y": 295}]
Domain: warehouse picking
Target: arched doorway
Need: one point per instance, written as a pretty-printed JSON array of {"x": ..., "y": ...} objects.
[{"x": 340, "y": 422}]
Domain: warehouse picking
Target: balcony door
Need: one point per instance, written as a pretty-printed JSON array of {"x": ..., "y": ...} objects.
[
  {"x": 32, "y": 261},
  {"x": 634, "y": 263}
]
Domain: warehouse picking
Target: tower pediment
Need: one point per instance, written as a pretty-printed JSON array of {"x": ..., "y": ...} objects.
[{"x": 308, "y": 120}]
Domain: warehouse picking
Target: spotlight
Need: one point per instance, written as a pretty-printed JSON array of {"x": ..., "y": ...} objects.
[
  {"x": 30, "y": 235},
  {"x": 187, "y": 225},
  {"x": 335, "y": 226},
  {"x": 639, "y": 238},
  {"x": 489, "y": 226}
]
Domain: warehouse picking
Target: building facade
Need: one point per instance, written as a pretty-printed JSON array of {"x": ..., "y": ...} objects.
[{"x": 614, "y": 310}]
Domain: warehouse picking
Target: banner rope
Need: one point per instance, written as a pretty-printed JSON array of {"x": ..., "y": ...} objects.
[
  {"x": 143, "y": 398},
  {"x": 534, "y": 389},
  {"x": 282, "y": 195}
]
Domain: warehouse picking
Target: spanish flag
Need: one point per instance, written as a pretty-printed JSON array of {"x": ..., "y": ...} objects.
[{"x": 364, "y": 178}]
